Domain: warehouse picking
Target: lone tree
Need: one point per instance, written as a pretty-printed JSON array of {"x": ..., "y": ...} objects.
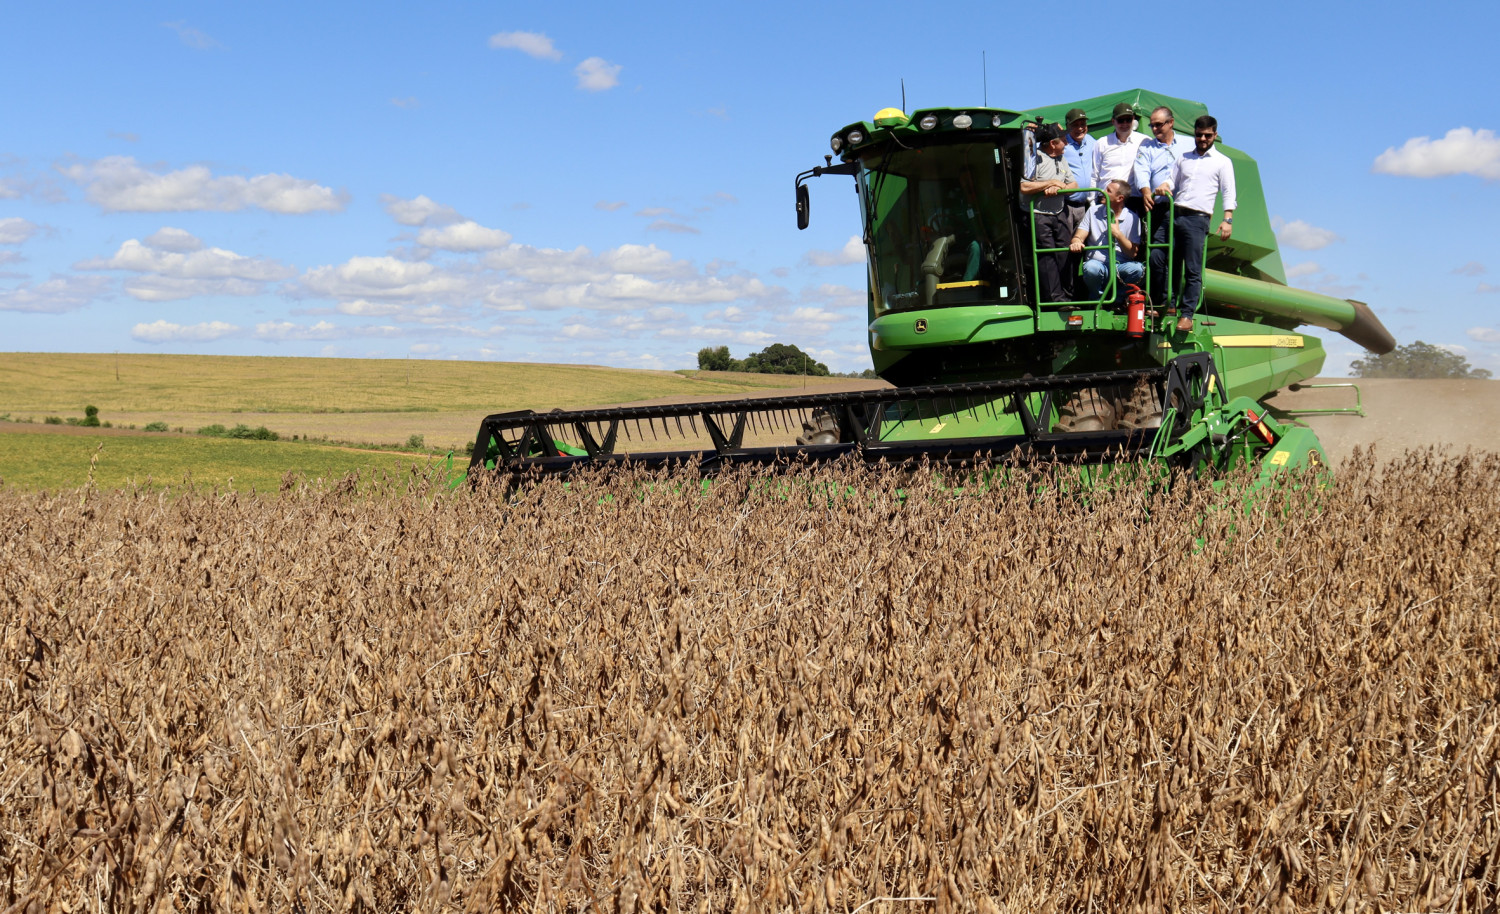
[
  {"x": 780, "y": 358},
  {"x": 715, "y": 359},
  {"x": 1416, "y": 360}
]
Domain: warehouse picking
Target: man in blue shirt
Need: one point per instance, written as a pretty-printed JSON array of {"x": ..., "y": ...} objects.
[
  {"x": 1153, "y": 177},
  {"x": 1110, "y": 223},
  {"x": 1079, "y": 153}
]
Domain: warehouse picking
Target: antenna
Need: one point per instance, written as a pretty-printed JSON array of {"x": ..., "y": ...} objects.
[
  {"x": 903, "y": 95},
  {"x": 984, "y": 72}
]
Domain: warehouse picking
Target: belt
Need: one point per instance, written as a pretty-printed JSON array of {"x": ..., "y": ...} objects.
[{"x": 1195, "y": 212}]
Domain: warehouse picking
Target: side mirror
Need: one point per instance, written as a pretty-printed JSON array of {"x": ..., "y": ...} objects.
[{"x": 804, "y": 206}]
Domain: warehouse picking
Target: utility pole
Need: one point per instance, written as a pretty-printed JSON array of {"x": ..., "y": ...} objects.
[{"x": 117, "y": 366}]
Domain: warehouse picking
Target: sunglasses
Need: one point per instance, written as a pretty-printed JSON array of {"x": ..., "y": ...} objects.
[
  {"x": 1157, "y": 125},
  {"x": 1206, "y": 136},
  {"x": 1124, "y": 119}
]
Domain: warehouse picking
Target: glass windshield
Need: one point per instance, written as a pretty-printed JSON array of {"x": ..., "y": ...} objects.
[{"x": 939, "y": 224}]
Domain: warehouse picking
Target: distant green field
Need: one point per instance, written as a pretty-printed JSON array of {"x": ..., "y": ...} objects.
[
  {"x": 46, "y": 383},
  {"x": 380, "y": 401},
  {"x": 43, "y": 461},
  {"x": 377, "y": 401}
]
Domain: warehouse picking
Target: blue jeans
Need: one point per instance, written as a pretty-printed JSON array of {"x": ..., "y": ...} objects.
[
  {"x": 1096, "y": 276},
  {"x": 1189, "y": 229}
]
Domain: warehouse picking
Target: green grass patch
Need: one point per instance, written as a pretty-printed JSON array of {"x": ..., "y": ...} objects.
[{"x": 37, "y": 461}]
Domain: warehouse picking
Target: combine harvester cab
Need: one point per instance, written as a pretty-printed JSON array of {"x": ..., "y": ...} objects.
[{"x": 982, "y": 366}]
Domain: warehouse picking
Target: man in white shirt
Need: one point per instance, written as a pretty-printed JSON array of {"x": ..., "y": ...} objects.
[
  {"x": 1114, "y": 154},
  {"x": 1110, "y": 222},
  {"x": 1197, "y": 179}
]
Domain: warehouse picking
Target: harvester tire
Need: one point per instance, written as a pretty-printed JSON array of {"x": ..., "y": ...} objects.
[
  {"x": 1141, "y": 409},
  {"x": 819, "y": 428},
  {"x": 1088, "y": 411}
]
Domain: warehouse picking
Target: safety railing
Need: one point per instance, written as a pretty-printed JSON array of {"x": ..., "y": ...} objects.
[{"x": 1108, "y": 247}]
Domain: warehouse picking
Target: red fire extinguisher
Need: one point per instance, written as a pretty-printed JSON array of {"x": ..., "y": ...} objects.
[{"x": 1135, "y": 311}]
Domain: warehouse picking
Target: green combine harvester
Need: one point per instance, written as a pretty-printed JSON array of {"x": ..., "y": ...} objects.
[{"x": 982, "y": 368}]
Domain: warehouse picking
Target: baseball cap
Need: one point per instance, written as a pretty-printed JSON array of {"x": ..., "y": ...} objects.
[
  {"x": 1047, "y": 133},
  {"x": 1122, "y": 109},
  {"x": 1074, "y": 114}
]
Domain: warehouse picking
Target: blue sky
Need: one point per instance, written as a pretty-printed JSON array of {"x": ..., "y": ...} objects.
[{"x": 612, "y": 183}]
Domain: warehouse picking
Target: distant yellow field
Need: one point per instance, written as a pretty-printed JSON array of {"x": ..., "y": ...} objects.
[{"x": 384, "y": 401}]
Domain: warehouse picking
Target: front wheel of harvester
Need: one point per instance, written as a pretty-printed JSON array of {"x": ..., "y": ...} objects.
[
  {"x": 1088, "y": 411},
  {"x": 1141, "y": 409},
  {"x": 819, "y": 428}
]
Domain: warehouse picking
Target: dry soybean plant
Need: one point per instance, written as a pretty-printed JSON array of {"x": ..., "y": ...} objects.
[{"x": 831, "y": 690}]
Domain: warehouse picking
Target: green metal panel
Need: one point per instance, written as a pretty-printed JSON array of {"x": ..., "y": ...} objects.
[{"x": 950, "y": 326}]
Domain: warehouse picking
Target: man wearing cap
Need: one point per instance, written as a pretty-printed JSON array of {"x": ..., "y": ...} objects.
[
  {"x": 1114, "y": 154},
  {"x": 1049, "y": 179},
  {"x": 1197, "y": 179},
  {"x": 1153, "y": 180},
  {"x": 1079, "y": 153},
  {"x": 1110, "y": 222}
]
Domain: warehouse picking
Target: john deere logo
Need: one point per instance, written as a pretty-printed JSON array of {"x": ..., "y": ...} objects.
[{"x": 921, "y": 325}]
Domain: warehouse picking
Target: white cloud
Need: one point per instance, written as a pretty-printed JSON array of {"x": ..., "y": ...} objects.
[
  {"x": 718, "y": 335},
  {"x": 10, "y": 257},
  {"x": 191, "y": 36},
  {"x": 1472, "y": 268},
  {"x": 662, "y": 225},
  {"x": 1486, "y": 288},
  {"x": 361, "y": 308},
  {"x": 426, "y": 348},
  {"x": 1462, "y": 151},
  {"x": 286, "y": 331},
  {"x": 551, "y": 266},
  {"x": 534, "y": 44},
  {"x": 118, "y": 184},
  {"x": 384, "y": 278},
  {"x": 15, "y": 230},
  {"x": 172, "y": 288},
  {"x": 853, "y": 251},
  {"x": 816, "y": 316},
  {"x": 419, "y": 210},
  {"x": 167, "y": 332},
  {"x": 1310, "y": 268},
  {"x": 167, "y": 238},
  {"x": 464, "y": 237},
  {"x": 609, "y": 207},
  {"x": 1483, "y": 334},
  {"x": 731, "y": 314},
  {"x": 212, "y": 263},
  {"x": 586, "y": 332},
  {"x": 55, "y": 296},
  {"x": 834, "y": 295},
  {"x": 597, "y": 74},
  {"x": 409, "y": 102},
  {"x": 176, "y": 266},
  {"x": 1303, "y": 236}
]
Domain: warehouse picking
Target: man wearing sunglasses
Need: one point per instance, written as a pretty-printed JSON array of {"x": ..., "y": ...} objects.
[
  {"x": 1153, "y": 179},
  {"x": 1114, "y": 154},
  {"x": 1199, "y": 177}
]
